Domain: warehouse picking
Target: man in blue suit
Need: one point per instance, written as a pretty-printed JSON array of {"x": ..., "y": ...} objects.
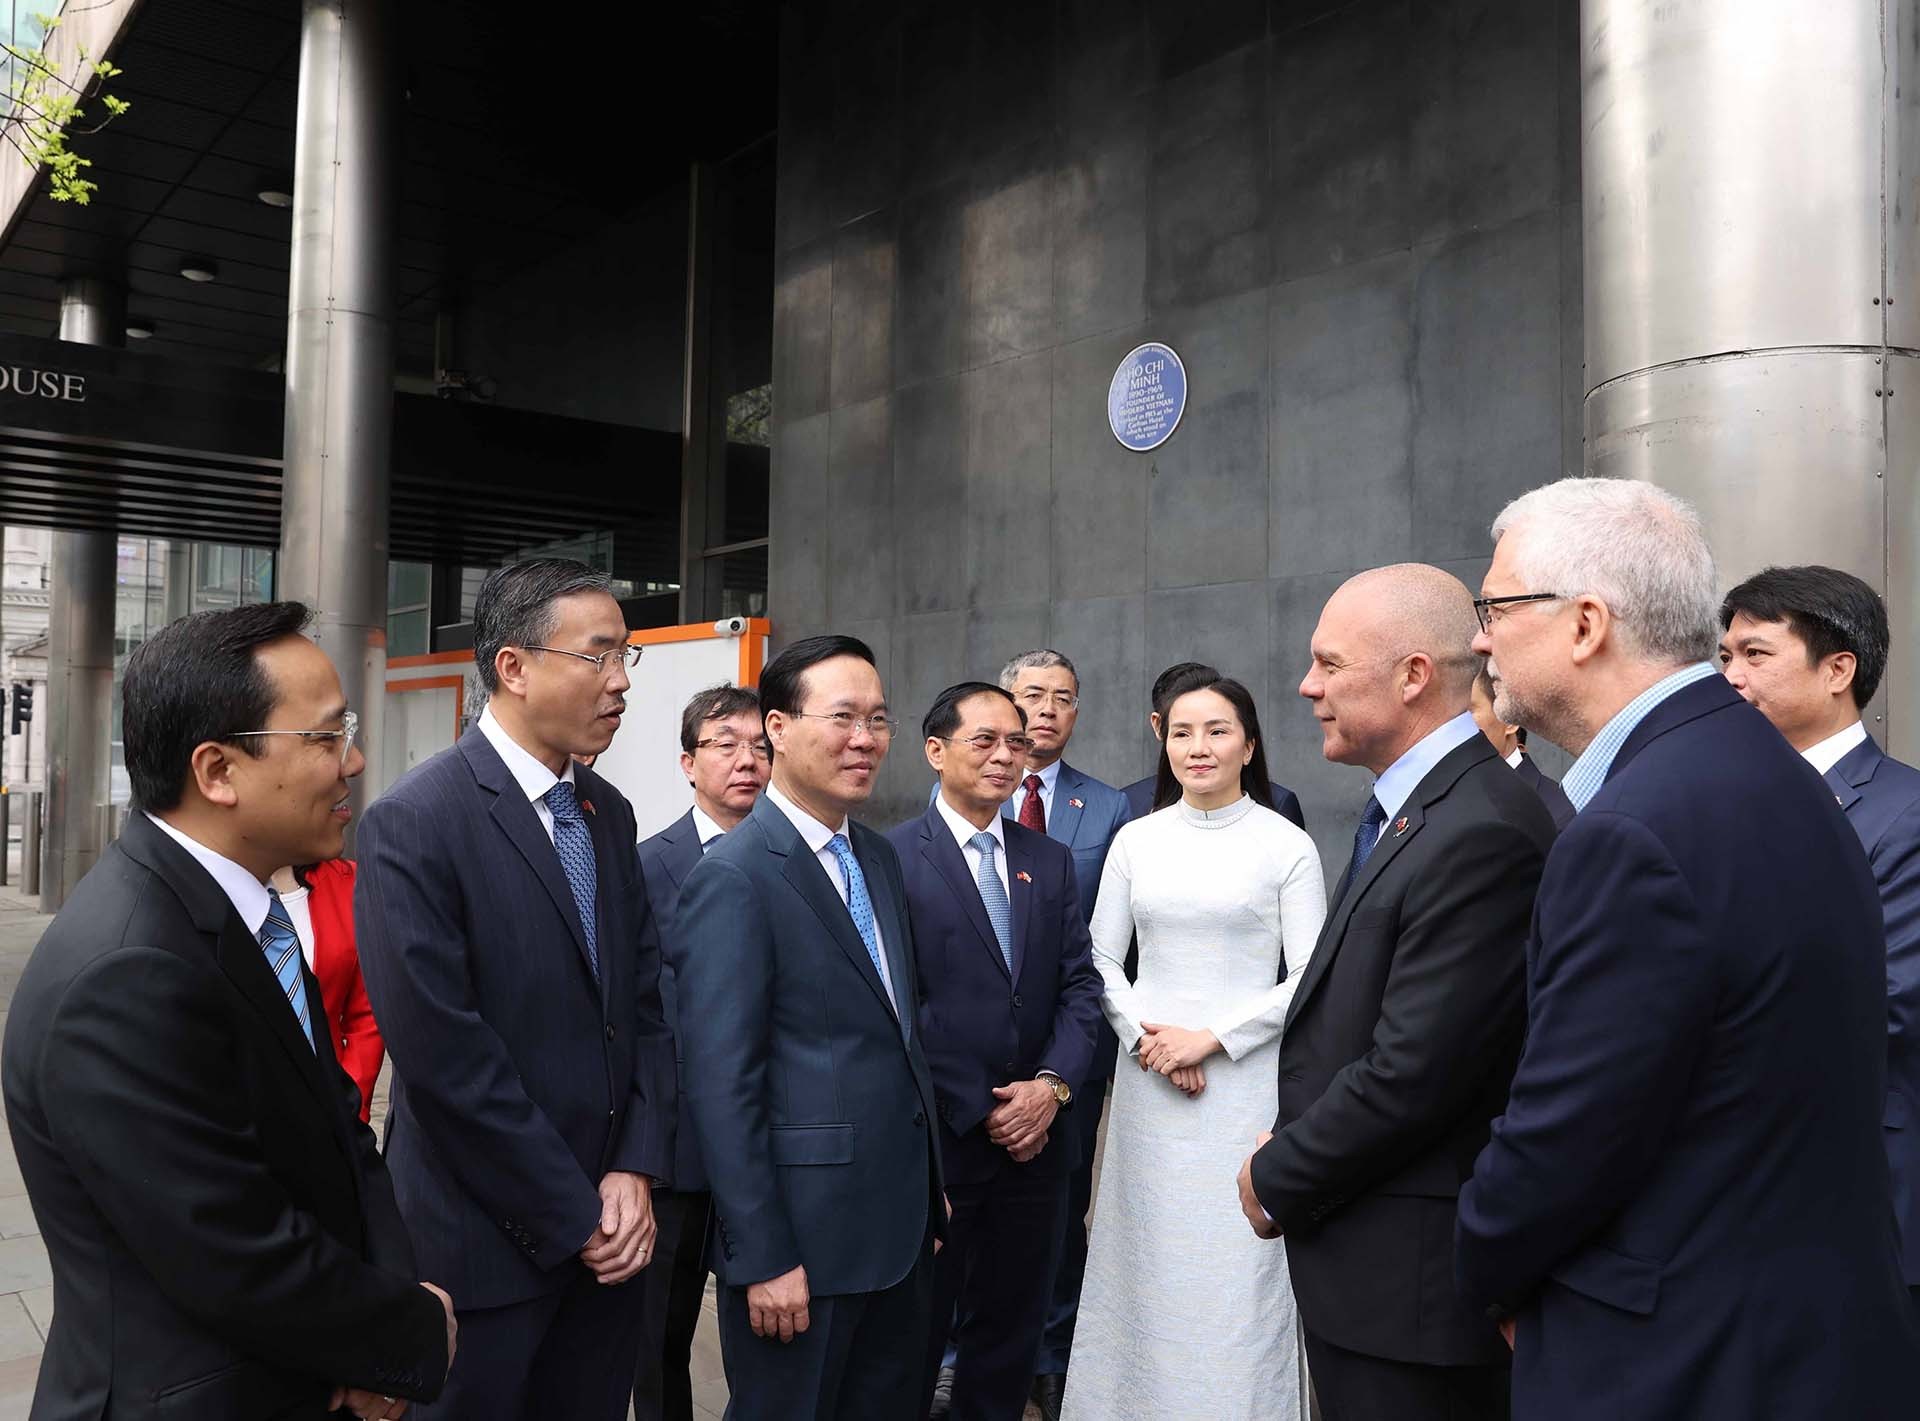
[
  {"x": 1084, "y": 814},
  {"x": 502, "y": 930},
  {"x": 1009, "y": 1002},
  {"x": 809, "y": 1093},
  {"x": 1684, "y": 1213},
  {"x": 723, "y": 754},
  {"x": 1807, "y": 646},
  {"x": 1169, "y": 686}
]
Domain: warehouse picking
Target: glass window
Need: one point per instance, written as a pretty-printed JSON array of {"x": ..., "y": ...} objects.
[{"x": 409, "y": 628}]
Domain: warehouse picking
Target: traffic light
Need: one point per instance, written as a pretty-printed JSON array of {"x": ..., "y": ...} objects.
[{"x": 22, "y": 706}]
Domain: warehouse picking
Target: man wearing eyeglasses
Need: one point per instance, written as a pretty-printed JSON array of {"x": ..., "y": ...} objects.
[
  {"x": 502, "y": 920},
  {"x": 1009, "y": 1003},
  {"x": 221, "y": 1228},
  {"x": 724, "y": 755},
  {"x": 794, "y": 969}
]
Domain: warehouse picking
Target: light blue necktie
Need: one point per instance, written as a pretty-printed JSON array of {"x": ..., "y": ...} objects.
[
  {"x": 861, "y": 907},
  {"x": 1365, "y": 836},
  {"x": 575, "y": 847},
  {"x": 993, "y": 895},
  {"x": 282, "y": 946}
]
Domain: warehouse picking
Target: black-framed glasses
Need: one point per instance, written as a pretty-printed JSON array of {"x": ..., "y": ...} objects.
[
  {"x": 627, "y": 656},
  {"x": 986, "y": 742},
  {"x": 349, "y": 727},
  {"x": 727, "y": 749},
  {"x": 879, "y": 725},
  {"x": 1483, "y": 607}
]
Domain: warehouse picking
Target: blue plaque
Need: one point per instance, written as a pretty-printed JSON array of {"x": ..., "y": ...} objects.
[{"x": 1147, "y": 397}]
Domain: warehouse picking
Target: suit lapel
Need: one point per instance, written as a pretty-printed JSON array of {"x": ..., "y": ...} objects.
[
  {"x": 1399, "y": 832},
  {"x": 1069, "y": 806},
  {"x": 895, "y": 932},
  {"x": 515, "y": 816},
  {"x": 938, "y": 848},
  {"x": 605, "y": 873},
  {"x": 683, "y": 844},
  {"x": 1690, "y": 702},
  {"x": 1853, "y": 772},
  {"x": 809, "y": 879},
  {"x": 1019, "y": 861}
]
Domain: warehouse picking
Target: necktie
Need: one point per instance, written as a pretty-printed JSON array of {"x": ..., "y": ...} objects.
[
  {"x": 1033, "y": 814},
  {"x": 1365, "y": 836},
  {"x": 861, "y": 907},
  {"x": 993, "y": 895},
  {"x": 575, "y": 846},
  {"x": 282, "y": 946}
]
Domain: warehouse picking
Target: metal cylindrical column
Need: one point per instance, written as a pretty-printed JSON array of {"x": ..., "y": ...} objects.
[
  {"x": 1752, "y": 322},
  {"x": 339, "y": 367},
  {"x": 79, "y": 700}
]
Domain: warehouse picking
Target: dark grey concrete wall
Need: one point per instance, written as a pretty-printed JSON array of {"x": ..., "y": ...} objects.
[{"x": 1357, "y": 223}]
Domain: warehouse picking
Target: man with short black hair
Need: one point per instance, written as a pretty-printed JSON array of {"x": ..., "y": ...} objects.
[
  {"x": 222, "y": 1230},
  {"x": 502, "y": 917},
  {"x": 1807, "y": 646},
  {"x": 1009, "y": 1002},
  {"x": 724, "y": 755},
  {"x": 793, "y": 963}
]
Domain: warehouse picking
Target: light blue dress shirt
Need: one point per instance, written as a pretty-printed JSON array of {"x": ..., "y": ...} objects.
[
  {"x": 1585, "y": 776},
  {"x": 1399, "y": 780}
]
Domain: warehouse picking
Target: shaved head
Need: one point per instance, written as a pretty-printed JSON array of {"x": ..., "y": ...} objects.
[{"x": 1412, "y": 607}]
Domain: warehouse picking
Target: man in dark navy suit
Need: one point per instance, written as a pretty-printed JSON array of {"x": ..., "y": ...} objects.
[
  {"x": 1807, "y": 646},
  {"x": 1511, "y": 742},
  {"x": 723, "y": 754},
  {"x": 794, "y": 970},
  {"x": 1684, "y": 1212},
  {"x": 1169, "y": 686},
  {"x": 501, "y": 921},
  {"x": 1009, "y": 1002}
]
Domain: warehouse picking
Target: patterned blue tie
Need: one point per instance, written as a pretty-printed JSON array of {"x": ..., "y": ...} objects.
[
  {"x": 861, "y": 907},
  {"x": 575, "y": 847},
  {"x": 1365, "y": 837},
  {"x": 993, "y": 895},
  {"x": 282, "y": 946}
]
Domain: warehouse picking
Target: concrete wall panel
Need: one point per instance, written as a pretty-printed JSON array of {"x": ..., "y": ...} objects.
[
  {"x": 862, "y": 551},
  {"x": 1009, "y": 462},
  {"x": 1099, "y": 509},
  {"x": 863, "y": 290},
  {"x": 930, "y": 494}
]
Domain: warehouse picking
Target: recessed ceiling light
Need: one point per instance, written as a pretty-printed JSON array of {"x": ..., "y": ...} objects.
[
  {"x": 275, "y": 197},
  {"x": 199, "y": 268},
  {"x": 139, "y": 328}
]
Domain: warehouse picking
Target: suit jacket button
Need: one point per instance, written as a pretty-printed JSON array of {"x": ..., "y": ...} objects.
[
  {"x": 1017, "y": 1001},
  {"x": 919, "y": 1117},
  {"x": 609, "y": 1032}
]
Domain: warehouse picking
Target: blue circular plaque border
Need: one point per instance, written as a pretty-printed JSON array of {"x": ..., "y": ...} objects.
[{"x": 1160, "y": 429}]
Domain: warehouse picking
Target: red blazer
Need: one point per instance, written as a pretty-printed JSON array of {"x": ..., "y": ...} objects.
[{"x": 336, "y": 962}]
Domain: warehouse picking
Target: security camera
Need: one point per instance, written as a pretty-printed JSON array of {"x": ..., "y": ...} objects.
[{"x": 730, "y": 626}]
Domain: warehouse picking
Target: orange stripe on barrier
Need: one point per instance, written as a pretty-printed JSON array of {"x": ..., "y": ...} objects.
[{"x": 431, "y": 658}]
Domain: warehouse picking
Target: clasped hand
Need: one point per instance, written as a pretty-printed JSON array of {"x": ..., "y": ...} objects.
[
  {"x": 623, "y": 1244},
  {"x": 1176, "y": 1052},
  {"x": 376, "y": 1406},
  {"x": 1019, "y": 1123}
]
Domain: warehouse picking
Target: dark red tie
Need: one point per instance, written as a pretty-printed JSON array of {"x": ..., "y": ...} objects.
[{"x": 1033, "y": 814}]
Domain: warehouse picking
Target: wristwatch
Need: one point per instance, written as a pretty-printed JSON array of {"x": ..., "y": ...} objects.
[{"x": 1062, "y": 1092}]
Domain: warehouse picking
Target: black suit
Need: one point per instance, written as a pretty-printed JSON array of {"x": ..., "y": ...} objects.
[
  {"x": 522, "y": 1076},
  {"x": 677, "y": 1278},
  {"x": 223, "y": 1234},
  {"x": 1551, "y": 795},
  {"x": 1399, "y": 1047},
  {"x": 984, "y": 1025}
]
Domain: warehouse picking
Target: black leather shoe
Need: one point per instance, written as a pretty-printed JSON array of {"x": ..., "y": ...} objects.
[
  {"x": 1047, "y": 1391},
  {"x": 942, "y": 1396}
]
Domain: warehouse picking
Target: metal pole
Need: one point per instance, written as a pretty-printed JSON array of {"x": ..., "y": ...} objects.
[
  {"x": 30, "y": 846},
  {"x": 79, "y": 701},
  {"x": 339, "y": 367},
  {"x": 6, "y": 833}
]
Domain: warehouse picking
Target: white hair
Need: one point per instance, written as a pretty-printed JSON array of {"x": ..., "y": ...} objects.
[{"x": 1636, "y": 547}]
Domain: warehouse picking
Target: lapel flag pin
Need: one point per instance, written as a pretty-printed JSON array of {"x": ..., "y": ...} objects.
[
  {"x": 587, "y": 805},
  {"x": 1399, "y": 826},
  {"x": 1024, "y": 876},
  {"x": 1078, "y": 803}
]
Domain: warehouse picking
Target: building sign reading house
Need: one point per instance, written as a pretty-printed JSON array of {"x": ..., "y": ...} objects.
[
  {"x": 1147, "y": 397},
  {"x": 43, "y": 384}
]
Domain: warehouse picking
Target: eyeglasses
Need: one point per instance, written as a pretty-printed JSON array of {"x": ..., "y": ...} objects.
[
  {"x": 727, "y": 749},
  {"x": 628, "y": 656},
  {"x": 879, "y": 725},
  {"x": 1034, "y": 696},
  {"x": 986, "y": 741},
  {"x": 1484, "y": 607},
  {"x": 349, "y": 727}
]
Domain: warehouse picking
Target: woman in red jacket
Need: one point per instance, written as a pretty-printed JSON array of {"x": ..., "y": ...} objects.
[{"x": 319, "y": 899}]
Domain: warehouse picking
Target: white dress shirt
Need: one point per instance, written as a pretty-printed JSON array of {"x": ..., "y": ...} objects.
[
  {"x": 534, "y": 778},
  {"x": 1834, "y": 748},
  {"x": 1516, "y": 757},
  {"x": 294, "y": 900},
  {"x": 247, "y": 893},
  {"x": 1049, "y": 777},
  {"x": 706, "y": 827},
  {"x": 963, "y": 833},
  {"x": 1400, "y": 779},
  {"x": 816, "y": 837}
]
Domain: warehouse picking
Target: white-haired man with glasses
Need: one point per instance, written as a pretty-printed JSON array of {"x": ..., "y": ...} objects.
[
  {"x": 1684, "y": 1212},
  {"x": 502, "y": 923}
]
